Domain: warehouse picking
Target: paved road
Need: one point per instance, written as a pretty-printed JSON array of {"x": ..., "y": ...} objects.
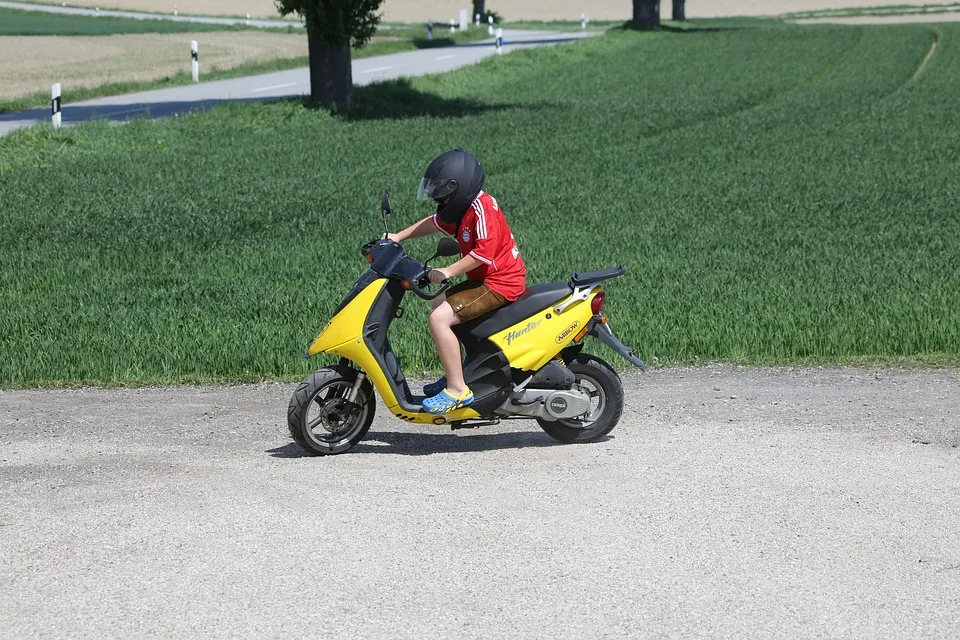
[
  {"x": 729, "y": 503},
  {"x": 167, "y": 102}
]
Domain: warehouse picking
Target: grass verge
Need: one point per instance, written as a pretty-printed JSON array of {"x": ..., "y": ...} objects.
[{"x": 780, "y": 195}]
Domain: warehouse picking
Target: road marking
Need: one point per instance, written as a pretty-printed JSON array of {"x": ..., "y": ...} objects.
[
  {"x": 452, "y": 55},
  {"x": 376, "y": 69},
  {"x": 276, "y": 86}
]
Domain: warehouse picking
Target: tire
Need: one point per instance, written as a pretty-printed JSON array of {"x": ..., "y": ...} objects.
[
  {"x": 320, "y": 401},
  {"x": 598, "y": 377}
]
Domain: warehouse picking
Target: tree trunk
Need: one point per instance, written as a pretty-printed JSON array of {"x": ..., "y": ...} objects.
[
  {"x": 678, "y": 13},
  {"x": 331, "y": 74},
  {"x": 646, "y": 14},
  {"x": 479, "y": 8}
]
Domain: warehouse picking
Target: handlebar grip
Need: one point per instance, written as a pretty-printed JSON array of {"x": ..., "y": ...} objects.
[{"x": 417, "y": 289}]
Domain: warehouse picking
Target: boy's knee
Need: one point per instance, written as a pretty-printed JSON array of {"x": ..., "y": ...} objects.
[{"x": 442, "y": 316}]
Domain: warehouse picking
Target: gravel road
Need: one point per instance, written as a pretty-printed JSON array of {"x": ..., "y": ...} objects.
[{"x": 729, "y": 502}]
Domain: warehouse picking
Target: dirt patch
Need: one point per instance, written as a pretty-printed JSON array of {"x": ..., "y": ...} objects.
[
  {"x": 33, "y": 63},
  {"x": 420, "y": 10}
]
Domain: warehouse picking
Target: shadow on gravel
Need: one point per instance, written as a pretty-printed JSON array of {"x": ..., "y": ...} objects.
[
  {"x": 289, "y": 450},
  {"x": 424, "y": 444}
]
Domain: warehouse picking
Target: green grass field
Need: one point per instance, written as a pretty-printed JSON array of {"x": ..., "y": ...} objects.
[
  {"x": 780, "y": 194},
  {"x": 36, "y": 23}
]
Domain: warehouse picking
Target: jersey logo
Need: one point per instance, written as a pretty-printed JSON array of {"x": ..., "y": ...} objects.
[{"x": 466, "y": 235}]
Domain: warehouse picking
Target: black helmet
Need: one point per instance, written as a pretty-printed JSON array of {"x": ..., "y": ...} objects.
[{"x": 454, "y": 181}]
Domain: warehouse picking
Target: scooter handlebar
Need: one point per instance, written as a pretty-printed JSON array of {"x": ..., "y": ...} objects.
[{"x": 422, "y": 280}]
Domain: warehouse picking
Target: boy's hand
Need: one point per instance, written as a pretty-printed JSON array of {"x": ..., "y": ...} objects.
[
  {"x": 437, "y": 276},
  {"x": 392, "y": 236}
]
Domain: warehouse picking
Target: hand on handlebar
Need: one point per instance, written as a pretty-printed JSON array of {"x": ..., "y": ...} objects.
[
  {"x": 395, "y": 237},
  {"x": 437, "y": 276}
]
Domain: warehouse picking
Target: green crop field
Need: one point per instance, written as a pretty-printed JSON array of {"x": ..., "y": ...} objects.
[
  {"x": 779, "y": 194},
  {"x": 36, "y": 23}
]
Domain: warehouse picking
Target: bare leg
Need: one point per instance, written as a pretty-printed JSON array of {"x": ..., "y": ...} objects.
[{"x": 442, "y": 319}]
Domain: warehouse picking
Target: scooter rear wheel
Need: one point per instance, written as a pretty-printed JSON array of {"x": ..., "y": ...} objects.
[
  {"x": 597, "y": 378},
  {"x": 321, "y": 418}
]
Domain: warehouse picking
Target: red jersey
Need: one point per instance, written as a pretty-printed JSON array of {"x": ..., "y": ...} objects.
[{"x": 484, "y": 234}]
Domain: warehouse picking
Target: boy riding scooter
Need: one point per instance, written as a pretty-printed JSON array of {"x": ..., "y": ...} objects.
[{"x": 489, "y": 258}]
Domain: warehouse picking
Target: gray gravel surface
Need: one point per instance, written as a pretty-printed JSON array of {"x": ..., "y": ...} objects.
[{"x": 728, "y": 503}]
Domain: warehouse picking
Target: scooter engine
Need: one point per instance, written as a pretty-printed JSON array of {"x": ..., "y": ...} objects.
[{"x": 548, "y": 404}]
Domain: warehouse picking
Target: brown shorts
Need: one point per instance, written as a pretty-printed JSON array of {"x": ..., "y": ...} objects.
[{"x": 472, "y": 299}]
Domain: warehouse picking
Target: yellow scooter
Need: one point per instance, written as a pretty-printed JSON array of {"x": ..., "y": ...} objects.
[{"x": 522, "y": 360}]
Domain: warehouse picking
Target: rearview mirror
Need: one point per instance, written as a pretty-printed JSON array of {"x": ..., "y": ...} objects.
[
  {"x": 385, "y": 203},
  {"x": 447, "y": 247}
]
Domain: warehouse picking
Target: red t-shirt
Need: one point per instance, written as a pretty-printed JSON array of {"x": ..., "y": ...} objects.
[{"x": 485, "y": 235}]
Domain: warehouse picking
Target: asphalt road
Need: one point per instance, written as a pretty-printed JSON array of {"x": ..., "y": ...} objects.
[
  {"x": 294, "y": 82},
  {"x": 765, "y": 503}
]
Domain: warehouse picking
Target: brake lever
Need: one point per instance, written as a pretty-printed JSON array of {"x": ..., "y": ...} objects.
[{"x": 417, "y": 287}]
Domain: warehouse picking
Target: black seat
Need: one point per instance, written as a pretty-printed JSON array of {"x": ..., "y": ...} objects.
[{"x": 536, "y": 298}]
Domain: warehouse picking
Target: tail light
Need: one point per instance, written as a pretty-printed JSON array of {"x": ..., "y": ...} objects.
[{"x": 596, "y": 305}]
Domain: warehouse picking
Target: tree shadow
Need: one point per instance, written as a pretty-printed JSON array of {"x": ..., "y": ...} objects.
[
  {"x": 681, "y": 28},
  {"x": 425, "y": 444},
  {"x": 425, "y": 43},
  {"x": 398, "y": 99}
]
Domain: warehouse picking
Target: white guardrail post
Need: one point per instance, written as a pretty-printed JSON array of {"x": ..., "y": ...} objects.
[
  {"x": 499, "y": 41},
  {"x": 55, "y": 104},
  {"x": 490, "y": 25},
  {"x": 195, "y": 58},
  {"x": 477, "y": 17}
]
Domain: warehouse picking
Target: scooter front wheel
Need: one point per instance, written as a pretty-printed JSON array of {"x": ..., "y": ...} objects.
[
  {"x": 597, "y": 379},
  {"x": 322, "y": 418}
]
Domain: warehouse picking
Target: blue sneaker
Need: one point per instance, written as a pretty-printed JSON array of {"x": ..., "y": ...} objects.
[
  {"x": 434, "y": 388},
  {"x": 444, "y": 402}
]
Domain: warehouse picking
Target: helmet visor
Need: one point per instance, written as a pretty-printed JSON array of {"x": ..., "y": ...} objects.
[{"x": 435, "y": 188}]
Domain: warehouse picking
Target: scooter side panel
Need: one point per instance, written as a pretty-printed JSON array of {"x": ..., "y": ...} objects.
[
  {"x": 347, "y": 325},
  {"x": 532, "y": 343}
]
